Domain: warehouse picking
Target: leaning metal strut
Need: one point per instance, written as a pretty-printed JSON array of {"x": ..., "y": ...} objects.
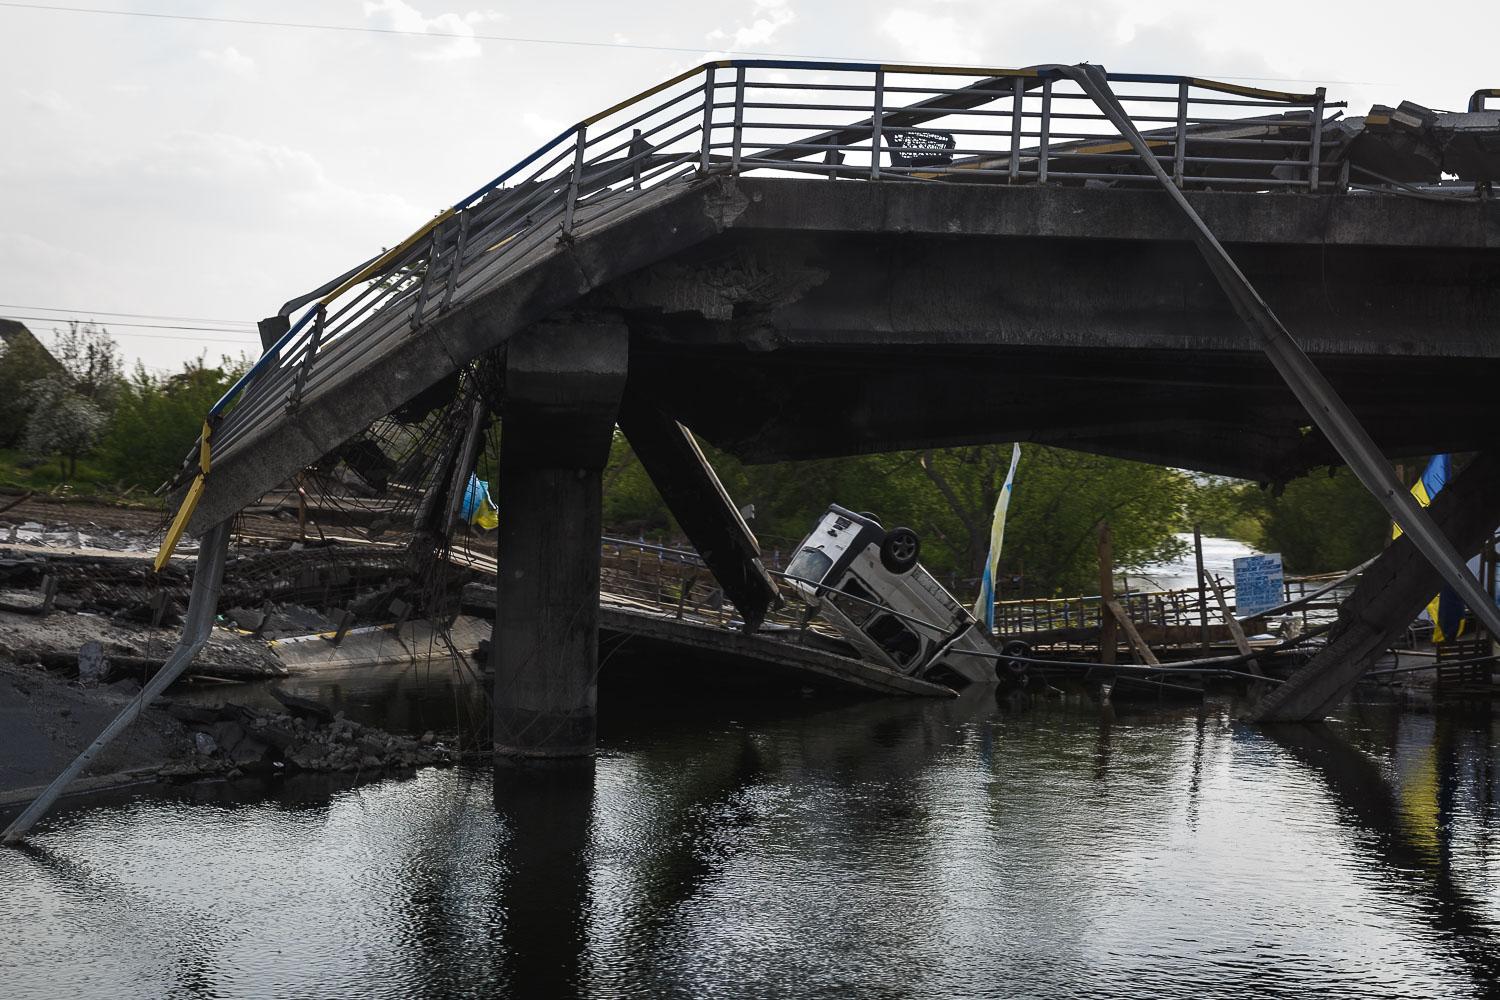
[
  {"x": 199, "y": 622},
  {"x": 1318, "y": 397}
]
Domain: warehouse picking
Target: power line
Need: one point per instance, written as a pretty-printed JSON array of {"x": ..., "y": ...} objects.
[
  {"x": 528, "y": 40},
  {"x": 370, "y": 29},
  {"x": 106, "y": 312},
  {"x": 246, "y": 340}
]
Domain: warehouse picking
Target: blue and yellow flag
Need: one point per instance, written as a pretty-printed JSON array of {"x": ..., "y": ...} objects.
[
  {"x": 478, "y": 509},
  {"x": 984, "y": 607},
  {"x": 1446, "y": 609}
]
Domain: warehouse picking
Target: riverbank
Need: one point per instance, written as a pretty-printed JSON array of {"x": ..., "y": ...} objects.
[{"x": 47, "y": 720}]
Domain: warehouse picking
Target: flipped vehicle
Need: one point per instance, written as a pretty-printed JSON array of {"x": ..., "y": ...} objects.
[{"x": 866, "y": 581}]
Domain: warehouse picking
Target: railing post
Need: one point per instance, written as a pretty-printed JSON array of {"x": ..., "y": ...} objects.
[
  {"x": 1044, "y": 143},
  {"x": 1315, "y": 134},
  {"x": 459, "y": 247},
  {"x": 1017, "y": 105},
  {"x": 877, "y": 120},
  {"x": 708, "y": 117},
  {"x": 428, "y": 277},
  {"x": 578, "y": 145},
  {"x": 1179, "y": 155},
  {"x": 739, "y": 118},
  {"x": 294, "y": 400}
]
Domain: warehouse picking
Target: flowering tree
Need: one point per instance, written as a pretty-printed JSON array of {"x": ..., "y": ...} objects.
[{"x": 62, "y": 423}]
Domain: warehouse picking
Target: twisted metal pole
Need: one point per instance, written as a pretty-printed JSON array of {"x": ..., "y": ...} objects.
[{"x": 1331, "y": 414}]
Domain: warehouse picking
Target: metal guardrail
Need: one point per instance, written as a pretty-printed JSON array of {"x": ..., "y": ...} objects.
[
  {"x": 1063, "y": 621},
  {"x": 849, "y": 121}
]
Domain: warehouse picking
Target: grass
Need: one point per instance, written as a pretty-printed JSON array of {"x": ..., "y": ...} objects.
[{"x": 20, "y": 472}]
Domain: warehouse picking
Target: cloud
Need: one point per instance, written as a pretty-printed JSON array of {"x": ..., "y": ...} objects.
[
  {"x": 540, "y": 125},
  {"x": 773, "y": 16},
  {"x": 47, "y": 101},
  {"x": 231, "y": 60},
  {"x": 398, "y": 15},
  {"x": 938, "y": 38}
]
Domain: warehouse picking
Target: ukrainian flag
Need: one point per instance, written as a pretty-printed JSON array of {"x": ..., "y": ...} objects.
[
  {"x": 984, "y": 607},
  {"x": 1446, "y": 609},
  {"x": 478, "y": 509}
]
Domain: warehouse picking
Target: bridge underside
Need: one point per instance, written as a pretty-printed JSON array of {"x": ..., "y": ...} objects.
[
  {"x": 785, "y": 319},
  {"x": 822, "y": 342},
  {"x": 790, "y": 319}
]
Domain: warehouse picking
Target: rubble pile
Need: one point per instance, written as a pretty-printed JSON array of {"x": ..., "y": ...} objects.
[{"x": 235, "y": 740}]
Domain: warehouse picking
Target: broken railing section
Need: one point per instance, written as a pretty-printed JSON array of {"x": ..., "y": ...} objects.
[
  {"x": 1332, "y": 416},
  {"x": 1394, "y": 589},
  {"x": 202, "y": 607},
  {"x": 697, "y": 499},
  {"x": 1411, "y": 144}
]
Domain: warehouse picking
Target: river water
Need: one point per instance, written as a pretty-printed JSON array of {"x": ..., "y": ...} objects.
[{"x": 885, "y": 849}]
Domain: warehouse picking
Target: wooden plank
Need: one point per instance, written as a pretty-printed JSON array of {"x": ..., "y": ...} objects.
[
  {"x": 1202, "y": 595},
  {"x": 1106, "y": 593},
  {"x": 1240, "y": 642},
  {"x": 1131, "y": 635}
]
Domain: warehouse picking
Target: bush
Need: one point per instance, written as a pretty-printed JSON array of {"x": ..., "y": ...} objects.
[{"x": 157, "y": 419}]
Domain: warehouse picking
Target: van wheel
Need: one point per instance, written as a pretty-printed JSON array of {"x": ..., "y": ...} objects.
[
  {"x": 1014, "y": 647},
  {"x": 899, "y": 550}
]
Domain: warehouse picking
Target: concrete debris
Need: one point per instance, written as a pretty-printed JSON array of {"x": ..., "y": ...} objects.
[
  {"x": 1416, "y": 145},
  {"x": 232, "y": 737},
  {"x": 93, "y": 665}
]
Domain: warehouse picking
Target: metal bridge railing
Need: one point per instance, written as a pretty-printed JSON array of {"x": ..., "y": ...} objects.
[{"x": 845, "y": 121}]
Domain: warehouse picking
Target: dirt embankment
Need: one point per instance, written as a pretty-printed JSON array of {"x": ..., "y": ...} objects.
[
  {"x": 46, "y": 721},
  {"x": 77, "y": 576}
]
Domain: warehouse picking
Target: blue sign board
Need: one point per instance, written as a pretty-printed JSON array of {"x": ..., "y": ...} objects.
[{"x": 1258, "y": 584}]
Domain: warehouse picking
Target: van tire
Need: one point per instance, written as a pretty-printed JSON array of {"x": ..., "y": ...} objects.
[{"x": 900, "y": 549}]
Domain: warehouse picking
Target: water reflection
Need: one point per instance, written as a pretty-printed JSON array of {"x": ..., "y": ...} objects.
[{"x": 883, "y": 849}]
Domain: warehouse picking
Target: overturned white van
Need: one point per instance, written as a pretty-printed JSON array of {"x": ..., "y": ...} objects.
[{"x": 866, "y": 581}]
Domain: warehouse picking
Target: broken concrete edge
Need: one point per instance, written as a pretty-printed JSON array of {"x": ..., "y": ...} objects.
[
  {"x": 821, "y": 665},
  {"x": 14, "y": 797}
]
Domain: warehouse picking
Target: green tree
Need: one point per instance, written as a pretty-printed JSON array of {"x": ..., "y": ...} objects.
[
  {"x": 1060, "y": 497},
  {"x": 1226, "y": 508},
  {"x": 948, "y": 496},
  {"x": 1325, "y": 521},
  {"x": 157, "y": 419},
  {"x": 91, "y": 359}
]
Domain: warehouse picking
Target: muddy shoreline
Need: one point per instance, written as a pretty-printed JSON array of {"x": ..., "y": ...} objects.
[{"x": 85, "y": 623}]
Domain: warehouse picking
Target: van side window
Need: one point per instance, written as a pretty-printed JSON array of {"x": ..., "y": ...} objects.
[
  {"x": 864, "y": 604},
  {"x": 894, "y": 637}
]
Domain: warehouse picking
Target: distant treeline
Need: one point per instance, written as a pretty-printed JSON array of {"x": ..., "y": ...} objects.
[
  {"x": 75, "y": 405},
  {"x": 75, "y": 412},
  {"x": 1321, "y": 522}
]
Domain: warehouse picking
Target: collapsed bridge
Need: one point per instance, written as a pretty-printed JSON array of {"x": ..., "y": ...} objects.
[{"x": 812, "y": 259}]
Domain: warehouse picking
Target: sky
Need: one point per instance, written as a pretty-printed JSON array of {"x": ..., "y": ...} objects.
[{"x": 195, "y": 173}]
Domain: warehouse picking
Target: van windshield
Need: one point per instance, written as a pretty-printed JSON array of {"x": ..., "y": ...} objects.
[{"x": 810, "y": 565}]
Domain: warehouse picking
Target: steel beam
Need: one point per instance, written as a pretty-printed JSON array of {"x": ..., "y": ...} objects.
[{"x": 203, "y": 602}]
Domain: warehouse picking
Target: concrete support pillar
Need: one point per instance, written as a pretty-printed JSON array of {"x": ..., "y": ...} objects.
[
  {"x": 1395, "y": 588},
  {"x": 562, "y": 388}
]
